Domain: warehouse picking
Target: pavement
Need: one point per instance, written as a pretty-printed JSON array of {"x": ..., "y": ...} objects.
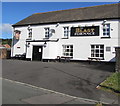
[
  {"x": 75, "y": 79},
  {"x": 27, "y": 94}
]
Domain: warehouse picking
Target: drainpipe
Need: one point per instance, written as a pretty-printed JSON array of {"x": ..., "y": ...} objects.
[{"x": 12, "y": 45}]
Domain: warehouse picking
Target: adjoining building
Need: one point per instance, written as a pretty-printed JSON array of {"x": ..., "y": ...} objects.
[{"x": 78, "y": 34}]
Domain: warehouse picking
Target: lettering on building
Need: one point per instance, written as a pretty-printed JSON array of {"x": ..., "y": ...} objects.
[{"x": 85, "y": 31}]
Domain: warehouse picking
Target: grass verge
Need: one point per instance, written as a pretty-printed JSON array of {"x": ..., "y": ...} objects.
[
  {"x": 112, "y": 83},
  {"x": 99, "y": 104}
]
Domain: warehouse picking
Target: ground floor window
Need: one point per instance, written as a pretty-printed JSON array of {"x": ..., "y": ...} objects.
[
  {"x": 68, "y": 50},
  {"x": 97, "y": 51}
]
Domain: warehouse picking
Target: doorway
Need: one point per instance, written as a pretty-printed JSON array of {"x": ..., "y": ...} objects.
[{"x": 37, "y": 53}]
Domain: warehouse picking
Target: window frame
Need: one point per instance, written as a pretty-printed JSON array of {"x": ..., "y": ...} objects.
[
  {"x": 30, "y": 33},
  {"x": 66, "y": 31},
  {"x": 106, "y": 30},
  {"x": 97, "y": 51},
  {"x": 47, "y": 32},
  {"x": 67, "y": 50}
]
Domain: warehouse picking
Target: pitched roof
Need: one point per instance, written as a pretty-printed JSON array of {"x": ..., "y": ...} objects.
[{"x": 109, "y": 11}]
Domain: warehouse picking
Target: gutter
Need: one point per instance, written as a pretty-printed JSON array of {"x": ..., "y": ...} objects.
[{"x": 17, "y": 25}]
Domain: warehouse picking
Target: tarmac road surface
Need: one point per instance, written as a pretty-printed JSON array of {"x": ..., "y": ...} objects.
[
  {"x": 76, "y": 79},
  {"x": 19, "y": 93}
]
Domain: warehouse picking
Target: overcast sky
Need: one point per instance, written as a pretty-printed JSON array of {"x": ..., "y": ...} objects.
[{"x": 12, "y": 12}]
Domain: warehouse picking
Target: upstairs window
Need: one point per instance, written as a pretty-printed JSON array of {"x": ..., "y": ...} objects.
[
  {"x": 47, "y": 32},
  {"x": 106, "y": 30},
  {"x": 97, "y": 51},
  {"x": 17, "y": 34},
  {"x": 68, "y": 50},
  {"x": 66, "y": 31},
  {"x": 30, "y": 33}
]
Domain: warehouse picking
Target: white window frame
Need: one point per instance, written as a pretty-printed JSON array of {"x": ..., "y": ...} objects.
[
  {"x": 67, "y": 50},
  {"x": 97, "y": 51},
  {"x": 106, "y": 30},
  {"x": 30, "y": 33},
  {"x": 66, "y": 31},
  {"x": 47, "y": 32}
]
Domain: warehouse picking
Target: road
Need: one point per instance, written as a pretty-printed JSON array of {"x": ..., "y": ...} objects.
[
  {"x": 19, "y": 93},
  {"x": 76, "y": 79}
]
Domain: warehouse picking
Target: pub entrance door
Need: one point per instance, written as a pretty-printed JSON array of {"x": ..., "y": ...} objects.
[{"x": 37, "y": 53}]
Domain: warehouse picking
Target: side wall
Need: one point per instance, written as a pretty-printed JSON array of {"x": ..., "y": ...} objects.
[{"x": 19, "y": 45}]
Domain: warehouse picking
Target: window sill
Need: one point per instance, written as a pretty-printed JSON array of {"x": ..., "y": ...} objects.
[
  {"x": 65, "y": 38},
  {"x": 105, "y": 37},
  {"x": 46, "y": 38},
  {"x": 29, "y": 39},
  {"x": 95, "y": 58}
]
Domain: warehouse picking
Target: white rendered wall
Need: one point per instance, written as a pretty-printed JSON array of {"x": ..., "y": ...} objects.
[
  {"x": 19, "y": 43},
  {"x": 81, "y": 44}
]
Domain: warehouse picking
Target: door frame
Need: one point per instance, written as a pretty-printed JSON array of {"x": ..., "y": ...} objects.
[{"x": 32, "y": 51}]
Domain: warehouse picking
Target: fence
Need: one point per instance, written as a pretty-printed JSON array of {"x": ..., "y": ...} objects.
[{"x": 4, "y": 53}]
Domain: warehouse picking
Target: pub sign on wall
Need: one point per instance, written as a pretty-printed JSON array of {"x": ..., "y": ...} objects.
[{"x": 85, "y": 31}]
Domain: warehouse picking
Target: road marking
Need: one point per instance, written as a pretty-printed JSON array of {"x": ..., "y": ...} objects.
[{"x": 44, "y": 89}]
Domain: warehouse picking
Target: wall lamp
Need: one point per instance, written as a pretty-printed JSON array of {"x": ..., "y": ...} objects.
[
  {"x": 28, "y": 44},
  {"x": 45, "y": 44},
  {"x": 57, "y": 24},
  {"x": 29, "y": 28},
  {"x": 104, "y": 21}
]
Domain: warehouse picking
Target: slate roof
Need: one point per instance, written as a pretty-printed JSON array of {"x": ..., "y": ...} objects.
[{"x": 109, "y": 11}]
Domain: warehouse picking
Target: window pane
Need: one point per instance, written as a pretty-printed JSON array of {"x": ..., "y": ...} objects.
[
  {"x": 97, "y": 55},
  {"x": 101, "y": 55},
  {"x": 97, "y": 46},
  {"x": 101, "y": 46},
  {"x": 101, "y": 51},
  {"x": 92, "y": 51},
  {"x": 67, "y": 54},
  {"x": 67, "y": 50},
  {"x": 104, "y": 33},
  {"x": 71, "y": 54},
  {"x": 108, "y": 30},
  {"x": 92, "y": 46},
  {"x": 71, "y": 50},
  {"x": 71, "y": 46},
  {"x": 104, "y": 30},
  {"x": 67, "y": 46},
  {"x": 63, "y": 54},
  {"x": 63, "y": 50},
  {"x": 92, "y": 55},
  {"x": 97, "y": 51}
]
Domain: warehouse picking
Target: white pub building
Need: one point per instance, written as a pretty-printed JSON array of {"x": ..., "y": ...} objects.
[{"x": 77, "y": 34}]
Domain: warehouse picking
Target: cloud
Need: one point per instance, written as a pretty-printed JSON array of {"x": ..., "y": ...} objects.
[{"x": 6, "y": 28}]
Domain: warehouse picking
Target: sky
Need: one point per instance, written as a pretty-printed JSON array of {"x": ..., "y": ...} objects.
[{"x": 13, "y": 12}]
